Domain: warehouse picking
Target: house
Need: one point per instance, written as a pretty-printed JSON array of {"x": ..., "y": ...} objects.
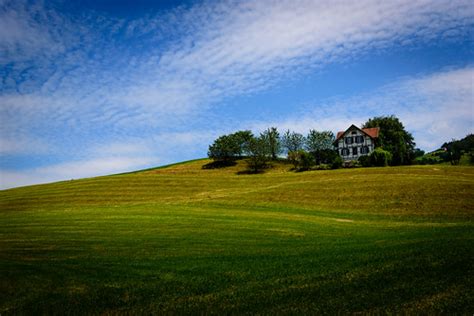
[{"x": 355, "y": 142}]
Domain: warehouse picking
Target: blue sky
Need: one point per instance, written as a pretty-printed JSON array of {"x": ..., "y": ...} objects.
[{"x": 98, "y": 87}]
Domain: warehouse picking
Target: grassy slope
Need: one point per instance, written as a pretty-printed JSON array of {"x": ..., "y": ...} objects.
[{"x": 181, "y": 239}]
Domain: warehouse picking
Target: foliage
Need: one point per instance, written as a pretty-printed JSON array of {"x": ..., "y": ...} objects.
[
  {"x": 380, "y": 157},
  {"x": 241, "y": 139},
  {"x": 466, "y": 144},
  {"x": 293, "y": 158},
  {"x": 418, "y": 153},
  {"x": 229, "y": 147},
  {"x": 337, "y": 163},
  {"x": 365, "y": 161},
  {"x": 394, "y": 138},
  {"x": 454, "y": 152},
  {"x": 292, "y": 141},
  {"x": 305, "y": 160},
  {"x": 325, "y": 156},
  {"x": 319, "y": 140},
  {"x": 259, "y": 153},
  {"x": 272, "y": 139},
  {"x": 455, "y": 149}
]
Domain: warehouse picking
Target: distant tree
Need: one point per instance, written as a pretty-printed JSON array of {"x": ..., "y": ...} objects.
[
  {"x": 466, "y": 144},
  {"x": 224, "y": 149},
  {"x": 320, "y": 145},
  {"x": 229, "y": 147},
  {"x": 454, "y": 152},
  {"x": 272, "y": 138},
  {"x": 292, "y": 142},
  {"x": 319, "y": 140},
  {"x": 258, "y": 152},
  {"x": 241, "y": 140},
  {"x": 455, "y": 149},
  {"x": 394, "y": 138},
  {"x": 418, "y": 153}
]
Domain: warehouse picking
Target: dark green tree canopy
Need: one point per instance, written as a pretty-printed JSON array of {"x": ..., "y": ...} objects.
[
  {"x": 258, "y": 152},
  {"x": 230, "y": 147},
  {"x": 393, "y": 138}
]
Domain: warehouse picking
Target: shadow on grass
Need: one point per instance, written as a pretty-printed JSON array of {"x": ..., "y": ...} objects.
[
  {"x": 219, "y": 164},
  {"x": 248, "y": 171}
]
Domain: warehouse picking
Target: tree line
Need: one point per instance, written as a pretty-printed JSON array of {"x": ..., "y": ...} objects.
[
  {"x": 302, "y": 151},
  {"x": 395, "y": 146}
]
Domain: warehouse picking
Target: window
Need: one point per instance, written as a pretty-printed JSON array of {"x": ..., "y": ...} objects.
[
  {"x": 364, "y": 150},
  {"x": 354, "y": 133},
  {"x": 354, "y": 151},
  {"x": 359, "y": 139},
  {"x": 348, "y": 140},
  {"x": 345, "y": 152}
]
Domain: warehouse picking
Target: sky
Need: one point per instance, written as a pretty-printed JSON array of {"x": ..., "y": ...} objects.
[{"x": 95, "y": 87}]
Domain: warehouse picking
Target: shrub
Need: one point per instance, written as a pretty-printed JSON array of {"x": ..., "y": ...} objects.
[
  {"x": 380, "y": 157},
  {"x": 337, "y": 163},
  {"x": 305, "y": 160},
  {"x": 364, "y": 161},
  {"x": 301, "y": 160}
]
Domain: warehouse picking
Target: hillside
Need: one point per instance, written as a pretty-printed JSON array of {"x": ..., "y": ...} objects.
[{"x": 188, "y": 239}]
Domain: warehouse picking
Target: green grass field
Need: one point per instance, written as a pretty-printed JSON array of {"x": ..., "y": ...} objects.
[{"x": 186, "y": 240}]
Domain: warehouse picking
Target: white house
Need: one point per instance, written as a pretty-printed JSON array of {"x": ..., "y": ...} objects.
[{"x": 355, "y": 142}]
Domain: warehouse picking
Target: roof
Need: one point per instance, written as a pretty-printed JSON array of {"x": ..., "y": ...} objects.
[{"x": 372, "y": 132}]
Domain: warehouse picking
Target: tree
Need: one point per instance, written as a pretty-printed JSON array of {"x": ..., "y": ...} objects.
[
  {"x": 241, "y": 140},
  {"x": 456, "y": 148},
  {"x": 320, "y": 145},
  {"x": 223, "y": 149},
  {"x": 394, "y": 138},
  {"x": 258, "y": 153},
  {"x": 292, "y": 141},
  {"x": 319, "y": 140},
  {"x": 272, "y": 138},
  {"x": 230, "y": 147}
]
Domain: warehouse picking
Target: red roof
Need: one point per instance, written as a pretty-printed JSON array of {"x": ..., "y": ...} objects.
[{"x": 372, "y": 132}]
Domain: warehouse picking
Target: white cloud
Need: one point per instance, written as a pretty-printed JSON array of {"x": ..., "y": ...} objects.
[
  {"x": 194, "y": 57},
  {"x": 435, "y": 108}
]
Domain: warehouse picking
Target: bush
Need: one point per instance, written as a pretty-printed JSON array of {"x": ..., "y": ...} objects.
[
  {"x": 380, "y": 157},
  {"x": 324, "y": 156},
  {"x": 305, "y": 160},
  {"x": 337, "y": 163},
  {"x": 301, "y": 160},
  {"x": 364, "y": 161}
]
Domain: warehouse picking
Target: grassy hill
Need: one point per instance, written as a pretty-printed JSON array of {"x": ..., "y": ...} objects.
[{"x": 184, "y": 239}]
